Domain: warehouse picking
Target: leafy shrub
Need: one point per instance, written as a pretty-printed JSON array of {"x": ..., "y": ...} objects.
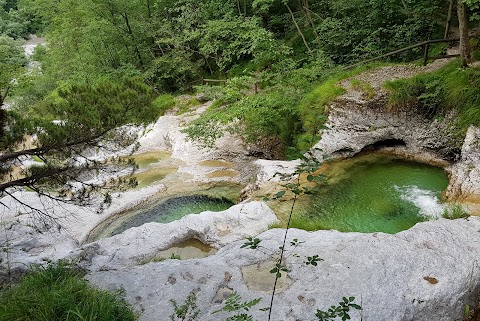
[
  {"x": 187, "y": 311},
  {"x": 288, "y": 111},
  {"x": 264, "y": 115}
]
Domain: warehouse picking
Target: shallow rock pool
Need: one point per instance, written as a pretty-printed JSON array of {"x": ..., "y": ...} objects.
[
  {"x": 165, "y": 211},
  {"x": 374, "y": 193}
]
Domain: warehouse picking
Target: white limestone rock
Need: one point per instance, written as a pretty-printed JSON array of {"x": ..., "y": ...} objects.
[
  {"x": 428, "y": 273},
  {"x": 353, "y": 125},
  {"x": 271, "y": 170},
  {"x": 27, "y": 241},
  {"x": 216, "y": 229},
  {"x": 166, "y": 135},
  {"x": 78, "y": 221},
  {"x": 23, "y": 245},
  {"x": 465, "y": 174}
]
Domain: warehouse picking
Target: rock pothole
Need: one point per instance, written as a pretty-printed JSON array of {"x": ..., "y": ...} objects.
[{"x": 258, "y": 277}]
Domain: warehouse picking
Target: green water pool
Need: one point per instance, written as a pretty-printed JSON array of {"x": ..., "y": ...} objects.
[
  {"x": 374, "y": 193},
  {"x": 165, "y": 212}
]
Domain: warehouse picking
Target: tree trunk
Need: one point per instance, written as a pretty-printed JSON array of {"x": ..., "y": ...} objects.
[
  {"x": 463, "y": 28},
  {"x": 2, "y": 121},
  {"x": 298, "y": 27},
  {"x": 112, "y": 12},
  {"x": 449, "y": 20},
  {"x": 2, "y": 115},
  {"x": 4, "y": 95},
  {"x": 149, "y": 9},
  {"x": 306, "y": 8},
  {"x": 130, "y": 32}
]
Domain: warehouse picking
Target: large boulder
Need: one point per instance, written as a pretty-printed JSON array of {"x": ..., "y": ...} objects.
[
  {"x": 360, "y": 119},
  {"x": 354, "y": 125},
  {"x": 428, "y": 273},
  {"x": 465, "y": 174}
]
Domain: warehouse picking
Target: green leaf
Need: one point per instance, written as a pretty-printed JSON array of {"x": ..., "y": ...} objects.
[
  {"x": 251, "y": 243},
  {"x": 279, "y": 194}
]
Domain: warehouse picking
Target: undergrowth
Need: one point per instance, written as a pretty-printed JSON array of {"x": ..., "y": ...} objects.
[
  {"x": 164, "y": 103},
  {"x": 58, "y": 292},
  {"x": 288, "y": 110},
  {"x": 449, "y": 88},
  {"x": 363, "y": 86}
]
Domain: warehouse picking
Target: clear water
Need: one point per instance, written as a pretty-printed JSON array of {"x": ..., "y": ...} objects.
[
  {"x": 170, "y": 210},
  {"x": 188, "y": 249},
  {"x": 374, "y": 194}
]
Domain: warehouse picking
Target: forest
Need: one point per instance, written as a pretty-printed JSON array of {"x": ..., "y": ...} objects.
[{"x": 271, "y": 64}]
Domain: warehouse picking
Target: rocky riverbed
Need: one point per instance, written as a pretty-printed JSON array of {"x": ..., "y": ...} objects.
[{"x": 429, "y": 272}]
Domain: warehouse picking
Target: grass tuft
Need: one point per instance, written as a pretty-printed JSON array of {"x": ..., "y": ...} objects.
[
  {"x": 58, "y": 292},
  {"x": 449, "y": 88},
  {"x": 164, "y": 103},
  {"x": 313, "y": 108},
  {"x": 363, "y": 86},
  {"x": 454, "y": 211}
]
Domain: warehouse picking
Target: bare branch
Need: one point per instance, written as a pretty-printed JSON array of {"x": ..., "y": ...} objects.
[{"x": 35, "y": 211}]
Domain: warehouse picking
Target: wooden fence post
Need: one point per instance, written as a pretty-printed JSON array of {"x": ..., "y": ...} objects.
[{"x": 425, "y": 54}]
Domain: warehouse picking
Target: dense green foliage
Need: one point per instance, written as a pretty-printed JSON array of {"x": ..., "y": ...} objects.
[
  {"x": 275, "y": 62},
  {"x": 273, "y": 54},
  {"x": 174, "y": 43},
  {"x": 12, "y": 62},
  {"x": 16, "y": 20},
  {"x": 58, "y": 292},
  {"x": 69, "y": 125},
  {"x": 82, "y": 112}
]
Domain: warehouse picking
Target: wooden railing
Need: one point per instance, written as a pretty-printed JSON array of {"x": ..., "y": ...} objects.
[
  {"x": 206, "y": 81},
  {"x": 425, "y": 44}
]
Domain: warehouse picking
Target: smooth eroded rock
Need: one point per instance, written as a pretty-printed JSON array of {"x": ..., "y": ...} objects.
[
  {"x": 428, "y": 273},
  {"x": 144, "y": 243}
]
